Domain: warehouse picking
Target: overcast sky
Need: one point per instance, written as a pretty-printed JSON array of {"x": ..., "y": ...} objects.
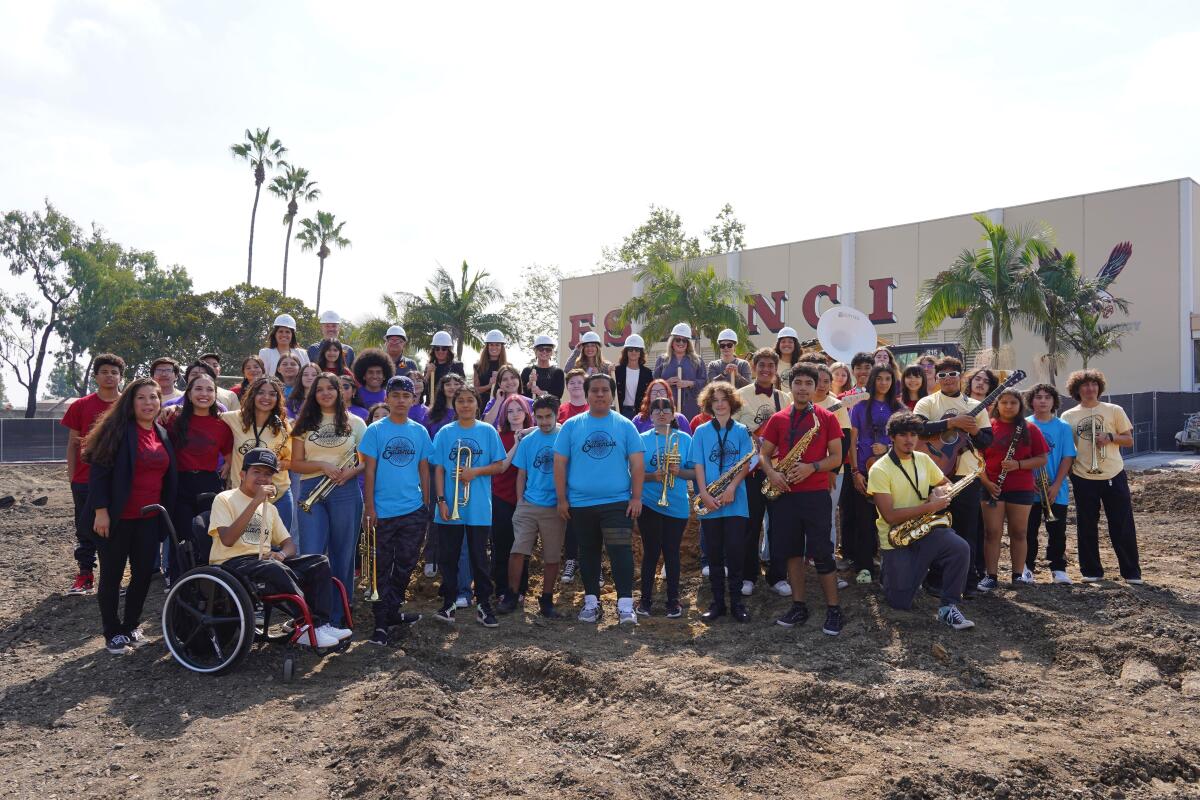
[{"x": 511, "y": 133}]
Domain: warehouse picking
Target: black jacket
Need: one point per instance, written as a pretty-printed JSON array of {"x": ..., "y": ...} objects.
[
  {"x": 109, "y": 485},
  {"x": 644, "y": 378}
]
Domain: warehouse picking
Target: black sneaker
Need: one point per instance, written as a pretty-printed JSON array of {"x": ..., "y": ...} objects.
[
  {"x": 674, "y": 611},
  {"x": 643, "y": 609},
  {"x": 796, "y": 615},
  {"x": 485, "y": 617},
  {"x": 507, "y": 604},
  {"x": 119, "y": 645},
  {"x": 445, "y": 614},
  {"x": 546, "y": 607},
  {"x": 833, "y": 621},
  {"x": 138, "y": 639},
  {"x": 408, "y": 618},
  {"x": 379, "y": 637},
  {"x": 739, "y": 613},
  {"x": 714, "y": 612}
]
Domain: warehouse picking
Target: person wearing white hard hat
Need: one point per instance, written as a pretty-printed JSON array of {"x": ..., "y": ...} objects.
[
  {"x": 441, "y": 363},
  {"x": 729, "y": 367},
  {"x": 787, "y": 347},
  {"x": 493, "y": 356},
  {"x": 395, "y": 340},
  {"x": 331, "y": 329},
  {"x": 281, "y": 342},
  {"x": 588, "y": 356},
  {"x": 682, "y": 369},
  {"x": 544, "y": 376},
  {"x": 633, "y": 376}
]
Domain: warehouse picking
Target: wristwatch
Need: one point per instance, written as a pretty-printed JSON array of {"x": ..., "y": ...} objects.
[{"x": 440, "y": 499}]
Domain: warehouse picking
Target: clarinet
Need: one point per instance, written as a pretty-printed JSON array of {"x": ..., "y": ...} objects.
[{"x": 1018, "y": 431}]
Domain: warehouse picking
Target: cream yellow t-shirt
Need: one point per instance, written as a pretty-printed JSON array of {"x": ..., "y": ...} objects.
[
  {"x": 246, "y": 440},
  {"x": 758, "y": 408},
  {"x": 842, "y": 414},
  {"x": 933, "y": 407},
  {"x": 1109, "y": 418},
  {"x": 885, "y": 477},
  {"x": 327, "y": 445},
  {"x": 264, "y": 530}
]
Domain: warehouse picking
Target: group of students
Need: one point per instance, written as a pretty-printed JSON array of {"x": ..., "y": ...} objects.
[{"x": 471, "y": 475}]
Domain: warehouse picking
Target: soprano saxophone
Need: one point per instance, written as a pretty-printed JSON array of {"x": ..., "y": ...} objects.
[
  {"x": 906, "y": 533},
  {"x": 792, "y": 458}
]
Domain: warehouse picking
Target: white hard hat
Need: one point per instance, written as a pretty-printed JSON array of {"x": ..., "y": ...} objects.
[
  {"x": 330, "y": 318},
  {"x": 727, "y": 335},
  {"x": 682, "y": 329},
  {"x": 591, "y": 337},
  {"x": 441, "y": 339},
  {"x": 396, "y": 330},
  {"x": 494, "y": 337},
  {"x": 543, "y": 341},
  {"x": 284, "y": 321},
  {"x": 633, "y": 340},
  {"x": 787, "y": 330}
]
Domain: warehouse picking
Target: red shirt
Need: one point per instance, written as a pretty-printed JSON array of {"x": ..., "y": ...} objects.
[
  {"x": 150, "y": 466},
  {"x": 504, "y": 485},
  {"x": 568, "y": 410},
  {"x": 777, "y": 431},
  {"x": 1033, "y": 444},
  {"x": 699, "y": 420},
  {"x": 207, "y": 437},
  {"x": 80, "y": 417}
]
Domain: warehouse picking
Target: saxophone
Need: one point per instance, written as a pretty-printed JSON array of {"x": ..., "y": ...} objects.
[
  {"x": 906, "y": 533},
  {"x": 719, "y": 486},
  {"x": 792, "y": 458}
]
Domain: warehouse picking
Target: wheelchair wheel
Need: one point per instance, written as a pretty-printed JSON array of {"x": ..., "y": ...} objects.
[{"x": 208, "y": 620}]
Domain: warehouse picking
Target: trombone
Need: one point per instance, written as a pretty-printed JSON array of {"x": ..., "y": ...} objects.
[
  {"x": 462, "y": 491},
  {"x": 326, "y": 484},
  {"x": 666, "y": 460},
  {"x": 370, "y": 562}
]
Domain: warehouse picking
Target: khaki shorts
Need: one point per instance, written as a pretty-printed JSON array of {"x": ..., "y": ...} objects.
[{"x": 529, "y": 521}]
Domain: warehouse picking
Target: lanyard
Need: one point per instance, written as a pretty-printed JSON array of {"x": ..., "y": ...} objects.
[
  {"x": 721, "y": 443},
  {"x": 911, "y": 482},
  {"x": 794, "y": 424},
  {"x": 258, "y": 440}
]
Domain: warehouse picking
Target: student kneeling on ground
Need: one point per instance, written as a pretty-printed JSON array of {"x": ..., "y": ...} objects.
[
  {"x": 906, "y": 485},
  {"x": 245, "y": 527}
]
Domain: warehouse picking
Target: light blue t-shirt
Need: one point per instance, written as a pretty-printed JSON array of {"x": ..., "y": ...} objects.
[
  {"x": 486, "y": 449},
  {"x": 398, "y": 451},
  {"x": 677, "y": 496},
  {"x": 598, "y": 450},
  {"x": 1062, "y": 445},
  {"x": 718, "y": 453},
  {"x": 535, "y": 455}
]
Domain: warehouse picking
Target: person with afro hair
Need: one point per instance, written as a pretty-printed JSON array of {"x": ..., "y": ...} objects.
[{"x": 372, "y": 369}]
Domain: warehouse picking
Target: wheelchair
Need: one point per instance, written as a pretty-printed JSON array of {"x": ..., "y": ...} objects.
[{"x": 209, "y": 617}]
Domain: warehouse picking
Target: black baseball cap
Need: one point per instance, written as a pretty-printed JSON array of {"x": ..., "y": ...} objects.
[{"x": 261, "y": 457}]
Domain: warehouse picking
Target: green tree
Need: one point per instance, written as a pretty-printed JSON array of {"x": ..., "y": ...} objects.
[
  {"x": 697, "y": 296},
  {"x": 370, "y": 332},
  {"x": 317, "y": 235},
  {"x": 142, "y": 330},
  {"x": 294, "y": 187},
  {"x": 992, "y": 286},
  {"x": 244, "y": 315},
  {"x": 727, "y": 234},
  {"x": 261, "y": 152},
  {"x": 662, "y": 236},
  {"x": 63, "y": 378},
  {"x": 533, "y": 307},
  {"x": 461, "y": 308},
  {"x": 1090, "y": 337},
  {"x": 43, "y": 247}
]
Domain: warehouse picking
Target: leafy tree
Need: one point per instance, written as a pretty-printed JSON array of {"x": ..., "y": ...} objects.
[
  {"x": 63, "y": 378},
  {"x": 457, "y": 307},
  {"x": 1090, "y": 337},
  {"x": 142, "y": 330},
  {"x": 293, "y": 186},
  {"x": 994, "y": 285},
  {"x": 663, "y": 237},
  {"x": 262, "y": 153},
  {"x": 697, "y": 296},
  {"x": 44, "y": 247},
  {"x": 317, "y": 235},
  {"x": 244, "y": 315},
  {"x": 727, "y": 234},
  {"x": 533, "y": 307},
  {"x": 370, "y": 332}
]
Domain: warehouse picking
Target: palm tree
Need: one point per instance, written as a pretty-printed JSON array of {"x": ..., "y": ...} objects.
[
  {"x": 697, "y": 296},
  {"x": 262, "y": 152},
  {"x": 457, "y": 307},
  {"x": 990, "y": 287},
  {"x": 293, "y": 186},
  {"x": 317, "y": 235},
  {"x": 1090, "y": 337}
]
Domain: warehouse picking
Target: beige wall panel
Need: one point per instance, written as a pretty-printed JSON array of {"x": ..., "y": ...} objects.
[
  {"x": 888, "y": 253},
  {"x": 813, "y": 263},
  {"x": 939, "y": 242},
  {"x": 765, "y": 271}
]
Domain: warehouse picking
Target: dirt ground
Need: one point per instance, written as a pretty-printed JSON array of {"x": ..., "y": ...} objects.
[{"x": 1081, "y": 691}]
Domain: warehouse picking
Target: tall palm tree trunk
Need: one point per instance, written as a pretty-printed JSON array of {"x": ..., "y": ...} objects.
[
  {"x": 320, "y": 277},
  {"x": 287, "y": 243},
  {"x": 253, "y": 214}
]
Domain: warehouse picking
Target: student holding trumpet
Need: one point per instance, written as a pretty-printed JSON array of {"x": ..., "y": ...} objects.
[
  {"x": 1051, "y": 482},
  {"x": 665, "y": 511}
]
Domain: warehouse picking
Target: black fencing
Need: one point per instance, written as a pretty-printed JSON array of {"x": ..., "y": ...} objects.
[
  {"x": 1156, "y": 417},
  {"x": 38, "y": 439}
]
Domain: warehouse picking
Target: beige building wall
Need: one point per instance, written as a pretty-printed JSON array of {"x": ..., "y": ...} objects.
[{"x": 1162, "y": 279}]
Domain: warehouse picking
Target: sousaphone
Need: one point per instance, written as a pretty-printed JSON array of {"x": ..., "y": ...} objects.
[{"x": 845, "y": 331}]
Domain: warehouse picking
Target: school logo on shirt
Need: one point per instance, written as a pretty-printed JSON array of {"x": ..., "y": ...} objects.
[
  {"x": 399, "y": 451},
  {"x": 466, "y": 441},
  {"x": 599, "y": 444},
  {"x": 327, "y": 436},
  {"x": 762, "y": 414},
  {"x": 199, "y": 442},
  {"x": 254, "y": 531},
  {"x": 544, "y": 460},
  {"x": 729, "y": 456},
  {"x": 1083, "y": 428}
]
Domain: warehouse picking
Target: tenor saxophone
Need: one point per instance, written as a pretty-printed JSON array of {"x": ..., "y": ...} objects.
[
  {"x": 906, "y": 533},
  {"x": 792, "y": 458},
  {"x": 719, "y": 486}
]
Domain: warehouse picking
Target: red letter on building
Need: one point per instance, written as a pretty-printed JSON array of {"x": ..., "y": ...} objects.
[
  {"x": 813, "y": 296},
  {"x": 881, "y": 300},
  {"x": 578, "y": 323},
  {"x": 613, "y": 333},
  {"x": 772, "y": 318}
]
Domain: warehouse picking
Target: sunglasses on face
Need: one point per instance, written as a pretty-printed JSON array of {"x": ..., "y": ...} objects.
[
  {"x": 950, "y": 374},
  {"x": 725, "y": 345},
  {"x": 445, "y": 349},
  {"x": 660, "y": 405},
  {"x": 544, "y": 348}
]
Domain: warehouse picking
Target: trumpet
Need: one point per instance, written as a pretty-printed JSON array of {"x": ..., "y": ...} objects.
[
  {"x": 670, "y": 458},
  {"x": 370, "y": 567},
  {"x": 1044, "y": 492},
  {"x": 462, "y": 491},
  {"x": 1097, "y": 453},
  {"x": 326, "y": 484}
]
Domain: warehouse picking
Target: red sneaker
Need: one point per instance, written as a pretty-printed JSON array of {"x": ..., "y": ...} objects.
[{"x": 83, "y": 584}]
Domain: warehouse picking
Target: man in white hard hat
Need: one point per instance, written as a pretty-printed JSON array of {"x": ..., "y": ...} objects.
[
  {"x": 394, "y": 342},
  {"x": 729, "y": 367},
  {"x": 682, "y": 369},
  {"x": 331, "y": 328},
  {"x": 543, "y": 377}
]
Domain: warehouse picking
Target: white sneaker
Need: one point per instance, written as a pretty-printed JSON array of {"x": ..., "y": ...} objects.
[
  {"x": 1060, "y": 576},
  {"x": 704, "y": 571},
  {"x": 747, "y": 588},
  {"x": 337, "y": 633},
  {"x": 627, "y": 617},
  {"x": 663, "y": 572},
  {"x": 783, "y": 589},
  {"x": 1026, "y": 577},
  {"x": 463, "y": 601},
  {"x": 323, "y": 639},
  {"x": 430, "y": 570},
  {"x": 842, "y": 583},
  {"x": 1090, "y": 579}
]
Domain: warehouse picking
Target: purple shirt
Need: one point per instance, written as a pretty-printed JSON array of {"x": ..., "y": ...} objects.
[
  {"x": 644, "y": 425},
  {"x": 875, "y": 433}
]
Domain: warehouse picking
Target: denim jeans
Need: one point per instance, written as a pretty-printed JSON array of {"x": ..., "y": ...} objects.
[{"x": 331, "y": 529}]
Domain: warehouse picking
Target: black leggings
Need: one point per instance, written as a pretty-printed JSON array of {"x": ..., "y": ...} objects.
[
  {"x": 502, "y": 542},
  {"x": 133, "y": 542},
  {"x": 660, "y": 535},
  {"x": 726, "y": 542}
]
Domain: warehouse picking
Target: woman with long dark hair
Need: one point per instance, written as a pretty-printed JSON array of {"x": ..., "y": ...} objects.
[
  {"x": 286, "y": 371},
  {"x": 280, "y": 342},
  {"x": 132, "y": 466},
  {"x": 331, "y": 357},
  {"x": 349, "y": 388},
  {"x": 657, "y": 390},
  {"x": 300, "y": 387},
  {"x": 869, "y": 442},
  {"x": 441, "y": 411},
  {"x": 912, "y": 386},
  {"x": 253, "y": 368},
  {"x": 633, "y": 376},
  {"x": 441, "y": 362},
  {"x": 491, "y": 359},
  {"x": 506, "y": 384},
  {"x": 262, "y": 422}
]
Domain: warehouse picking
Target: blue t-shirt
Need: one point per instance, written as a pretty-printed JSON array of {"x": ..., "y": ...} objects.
[
  {"x": 486, "y": 449},
  {"x": 398, "y": 451},
  {"x": 598, "y": 450},
  {"x": 717, "y": 453},
  {"x": 677, "y": 496},
  {"x": 1062, "y": 445},
  {"x": 535, "y": 455}
]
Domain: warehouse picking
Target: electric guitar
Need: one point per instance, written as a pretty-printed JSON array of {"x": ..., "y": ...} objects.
[{"x": 945, "y": 447}]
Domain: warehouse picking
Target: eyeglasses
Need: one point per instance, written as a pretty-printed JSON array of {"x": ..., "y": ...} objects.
[
  {"x": 447, "y": 349},
  {"x": 724, "y": 345},
  {"x": 950, "y": 374},
  {"x": 545, "y": 348},
  {"x": 164, "y": 371},
  {"x": 928, "y": 367},
  {"x": 678, "y": 340},
  {"x": 660, "y": 405}
]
